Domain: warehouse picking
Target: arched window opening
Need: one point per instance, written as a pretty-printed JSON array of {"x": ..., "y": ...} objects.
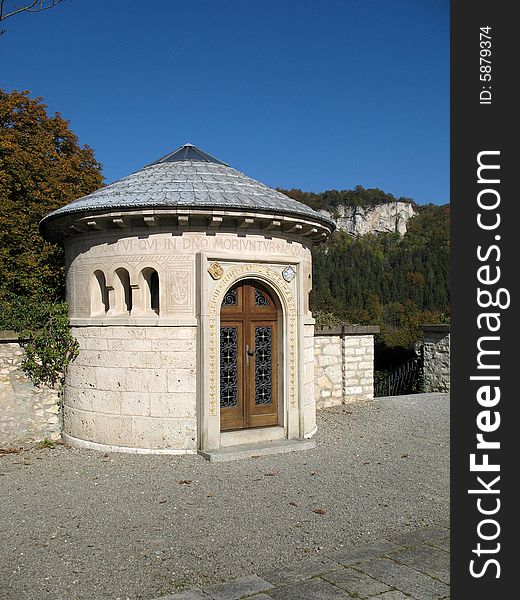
[
  {"x": 99, "y": 304},
  {"x": 124, "y": 295},
  {"x": 154, "y": 291},
  {"x": 151, "y": 292}
]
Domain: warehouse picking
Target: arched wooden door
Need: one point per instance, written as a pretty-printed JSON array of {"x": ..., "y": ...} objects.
[{"x": 248, "y": 358}]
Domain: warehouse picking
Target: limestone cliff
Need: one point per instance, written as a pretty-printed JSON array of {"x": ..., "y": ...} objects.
[{"x": 390, "y": 217}]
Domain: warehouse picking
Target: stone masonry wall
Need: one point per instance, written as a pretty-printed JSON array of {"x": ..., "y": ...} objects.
[
  {"x": 436, "y": 354},
  {"x": 27, "y": 413},
  {"x": 344, "y": 365},
  {"x": 133, "y": 387}
]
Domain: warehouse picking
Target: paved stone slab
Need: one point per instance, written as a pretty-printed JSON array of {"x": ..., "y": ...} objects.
[
  {"x": 238, "y": 588},
  {"x": 394, "y": 595},
  {"x": 356, "y": 554},
  {"x": 195, "y": 594},
  {"x": 355, "y": 582},
  {"x": 419, "y": 536},
  {"x": 310, "y": 567},
  {"x": 311, "y": 589},
  {"x": 406, "y": 579},
  {"x": 428, "y": 559},
  {"x": 443, "y": 544}
]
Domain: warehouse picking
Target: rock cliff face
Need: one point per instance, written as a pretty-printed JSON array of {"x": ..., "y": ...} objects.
[{"x": 381, "y": 218}]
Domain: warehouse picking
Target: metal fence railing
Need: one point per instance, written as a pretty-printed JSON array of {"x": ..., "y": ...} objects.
[{"x": 406, "y": 379}]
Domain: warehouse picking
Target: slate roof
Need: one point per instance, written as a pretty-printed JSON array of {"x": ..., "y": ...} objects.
[{"x": 188, "y": 178}]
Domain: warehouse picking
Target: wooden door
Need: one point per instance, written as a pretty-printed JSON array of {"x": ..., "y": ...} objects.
[{"x": 248, "y": 358}]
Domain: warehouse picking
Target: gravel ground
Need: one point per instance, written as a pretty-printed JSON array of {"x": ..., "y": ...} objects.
[{"x": 83, "y": 524}]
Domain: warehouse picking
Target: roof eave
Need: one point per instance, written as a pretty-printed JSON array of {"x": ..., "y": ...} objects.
[{"x": 62, "y": 226}]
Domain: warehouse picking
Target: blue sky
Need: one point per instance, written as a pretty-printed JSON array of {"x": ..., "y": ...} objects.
[{"x": 307, "y": 94}]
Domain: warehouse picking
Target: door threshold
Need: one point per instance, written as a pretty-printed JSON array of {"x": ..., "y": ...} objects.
[
  {"x": 255, "y": 435},
  {"x": 242, "y": 451}
]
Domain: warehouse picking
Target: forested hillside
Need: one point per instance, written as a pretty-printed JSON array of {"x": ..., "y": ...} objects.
[{"x": 397, "y": 282}]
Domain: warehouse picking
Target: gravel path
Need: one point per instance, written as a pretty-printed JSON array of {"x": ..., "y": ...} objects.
[{"x": 83, "y": 524}]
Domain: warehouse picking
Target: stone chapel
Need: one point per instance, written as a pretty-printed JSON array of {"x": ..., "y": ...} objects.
[{"x": 188, "y": 286}]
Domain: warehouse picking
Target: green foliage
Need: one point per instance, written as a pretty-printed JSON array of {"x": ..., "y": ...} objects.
[
  {"x": 326, "y": 318},
  {"x": 398, "y": 283},
  {"x": 46, "y": 443},
  {"x": 43, "y": 329}
]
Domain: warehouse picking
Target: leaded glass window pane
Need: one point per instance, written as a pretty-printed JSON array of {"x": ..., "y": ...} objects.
[
  {"x": 231, "y": 298},
  {"x": 263, "y": 365},
  {"x": 260, "y": 298},
  {"x": 228, "y": 367}
]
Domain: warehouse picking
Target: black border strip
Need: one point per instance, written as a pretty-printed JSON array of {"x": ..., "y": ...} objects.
[{"x": 476, "y": 128}]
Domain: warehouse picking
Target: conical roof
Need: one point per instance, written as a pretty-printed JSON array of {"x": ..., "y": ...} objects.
[{"x": 191, "y": 179}]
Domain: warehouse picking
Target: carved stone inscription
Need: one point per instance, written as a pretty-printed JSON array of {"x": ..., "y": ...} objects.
[{"x": 187, "y": 244}]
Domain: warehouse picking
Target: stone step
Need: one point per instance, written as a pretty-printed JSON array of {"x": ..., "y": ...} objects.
[{"x": 242, "y": 451}]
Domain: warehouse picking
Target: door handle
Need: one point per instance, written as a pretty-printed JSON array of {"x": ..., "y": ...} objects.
[{"x": 248, "y": 354}]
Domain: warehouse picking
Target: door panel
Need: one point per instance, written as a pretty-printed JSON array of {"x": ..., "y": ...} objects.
[
  {"x": 262, "y": 380},
  {"x": 231, "y": 384},
  {"x": 248, "y": 358}
]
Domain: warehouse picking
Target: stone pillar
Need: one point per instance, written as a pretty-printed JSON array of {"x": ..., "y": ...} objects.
[
  {"x": 436, "y": 355},
  {"x": 328, "y": 367},
  {"x": 27, "y": 413},
  {"x": 344, "y": 364}
]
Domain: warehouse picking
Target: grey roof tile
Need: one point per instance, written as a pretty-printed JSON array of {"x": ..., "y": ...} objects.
[{"x": 187, "y": 177}]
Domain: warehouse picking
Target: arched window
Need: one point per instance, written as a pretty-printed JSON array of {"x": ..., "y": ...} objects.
[
  {"x": 151, "y": 291},
  {"x": 154, "y": 291},
  {"x": 98, "y": 294},
  {"x": 124, "y": 292}
]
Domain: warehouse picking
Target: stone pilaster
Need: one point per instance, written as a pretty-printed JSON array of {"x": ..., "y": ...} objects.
[{"x": 436, "y": 355}]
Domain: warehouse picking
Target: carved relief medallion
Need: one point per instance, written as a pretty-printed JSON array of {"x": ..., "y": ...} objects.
[{"x": 215, "y": 270}]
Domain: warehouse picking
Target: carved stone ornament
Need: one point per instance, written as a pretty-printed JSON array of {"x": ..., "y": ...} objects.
[
  {"x": 289, "y": 274},
  {"x": 215, "y": 270}
]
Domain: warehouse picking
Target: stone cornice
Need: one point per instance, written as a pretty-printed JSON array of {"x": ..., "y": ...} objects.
[{"x": 179, "y": 219}]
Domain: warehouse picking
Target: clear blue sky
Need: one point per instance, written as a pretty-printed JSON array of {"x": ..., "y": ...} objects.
[{"x": 308, "y": 94}]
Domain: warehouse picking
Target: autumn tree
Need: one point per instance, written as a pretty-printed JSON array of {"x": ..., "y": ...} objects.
[{"x": 42, "y": 167}]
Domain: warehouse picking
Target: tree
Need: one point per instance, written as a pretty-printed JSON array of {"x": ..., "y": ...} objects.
[
  {"x": 29, "y": 7},
  {"x": 42, "y": 167}
]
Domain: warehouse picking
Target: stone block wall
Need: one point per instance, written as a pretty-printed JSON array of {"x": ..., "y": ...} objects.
[
  {"x": 344, "y": 364},
  {"x": 133, "y": 387},
  {"x": 27, "y": 413},
  {"x": 436, "y": 358}
]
